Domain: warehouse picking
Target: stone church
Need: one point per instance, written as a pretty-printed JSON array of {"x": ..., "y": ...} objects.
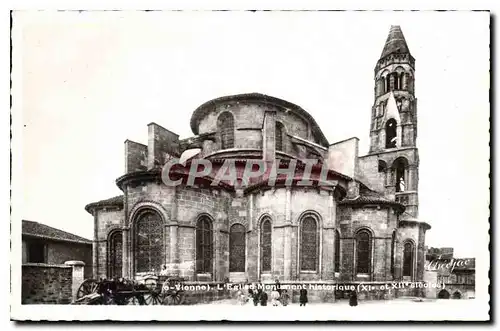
[{"x": 365, "y": 228}]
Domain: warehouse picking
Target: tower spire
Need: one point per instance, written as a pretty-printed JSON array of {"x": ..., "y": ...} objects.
[
  {"x": 393, "y": 132},
  {"x": 395, "y": 42}
]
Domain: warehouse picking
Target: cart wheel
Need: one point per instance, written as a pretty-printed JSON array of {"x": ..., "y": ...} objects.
[
  {"x": 88, "y": 286},
  {"x": 152, "y": 299},
  {"x": 175, "y": 298}
]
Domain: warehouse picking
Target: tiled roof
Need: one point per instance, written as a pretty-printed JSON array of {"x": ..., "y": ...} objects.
[
  {"x": 395, "y": 42},
  {"x": 371, "y": 199},
  {"x": 111, "y": 202},
  {"x": 39, "y": 230}
]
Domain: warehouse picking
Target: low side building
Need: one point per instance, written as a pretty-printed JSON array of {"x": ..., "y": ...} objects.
[
  {"x": 456, "y": 276},
  {"x": 43, "y": 244}
]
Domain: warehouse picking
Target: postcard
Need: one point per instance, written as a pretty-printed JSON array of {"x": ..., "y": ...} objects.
[{"x": 250, "y": 165}]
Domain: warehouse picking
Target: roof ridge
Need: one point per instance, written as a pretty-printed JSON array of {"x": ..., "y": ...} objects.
[{"x": 33, "y": 228}]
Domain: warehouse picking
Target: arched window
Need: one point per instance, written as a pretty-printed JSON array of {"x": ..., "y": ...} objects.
[
  {"x": 308, "y": 244},
  {"x": 225, "y": 126},
  {"x": 393, "y": 245},
  {"x": 279, "y": 136},
  {"x": 408, "y": 252},
  {"x": 115, "y": 250},
  {"x": 399, "y": 103},
  {"x": 363, "y": 252},
  {"x": 400, "y": 167},
  {"x": 265, "y": 245},
  {"x": 392, "y": 82},
  {"x": 337, "y": 251},
  {"x": 149, "y": 248},
  {"x": 387, "y": 83},
  {"x": 204, "y": 245},
  {"x": 237, "y": 248},
  {"x": 390, "y": 133}
]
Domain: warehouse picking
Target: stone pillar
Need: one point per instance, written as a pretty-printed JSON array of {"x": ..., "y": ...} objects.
[
  {"x": 328, "y": 240},
  {"x": 388, "y": 176},
  {"x": 398, "y": 259},
  {"x": 77, "y": 277},
  {"x": 419, "y": 269},
  {"x": 174, "y": 252},
  {"x": 412, "y": 178},
  {"x": 406, "y": 179},
  {"x": 173, "y": 263},
  {"x": 95, "y": 250},
  {"x": 381, "y": 141},
  {"x": 391, "y": 82},
  {"x": 221, "y": 247},
  {"x": 287, "y": 253},
  {"x": 399, "y": 135},
  {"x": 218, "y": 274},
  {"x": 268, "y": 136},
  {"x": 125, "y": 252}
]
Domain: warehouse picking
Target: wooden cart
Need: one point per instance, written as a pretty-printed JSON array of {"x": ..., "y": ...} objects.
[{"x": 149, "y": 290}]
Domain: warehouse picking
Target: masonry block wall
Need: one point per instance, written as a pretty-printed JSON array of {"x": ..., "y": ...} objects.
[
  {"x": 256, "y": 126},
  {"x": 60, "y": 252},
  {"x": 295, "y": 254},
  {"x": 411, "y": 232},
  {"x": 370, "y": 174},
  {"x": 162, "y": 144},
  {"x": 136, "y": 156},
  {"x": 107, "y": 220},
  {"x": 249, "y": 128},
  {"x": 380, "y": 222},
  {"x": 46, "y": 284}
]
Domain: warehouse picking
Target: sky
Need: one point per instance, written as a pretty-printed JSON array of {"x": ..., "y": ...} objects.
[{"x": 84, "y": 82}]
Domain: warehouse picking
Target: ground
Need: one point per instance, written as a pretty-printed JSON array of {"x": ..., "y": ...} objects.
[{"x": 406, "y": 309}]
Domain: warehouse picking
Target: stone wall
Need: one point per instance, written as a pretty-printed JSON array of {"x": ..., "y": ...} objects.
[
  {"x": 369, "y": 173},
  {"x": 108, "y": 220},
  {"x": 181, "y": 207},
  {"x": 60, "y": 252},
  {"x": 136, "y": 156},
  {"x": 46, "y": 284},
  {"x": 342, "y": 157},
  {"x": 285, "y": 212},
  {"x": 162, "y": 144},
  {"x": 409, "y": 232},
  {"x": 248, "y": 124},
  {"x": 380, "y": 222}
]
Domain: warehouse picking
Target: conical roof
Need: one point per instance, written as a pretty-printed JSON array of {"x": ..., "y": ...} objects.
[
  {"x": 395, "y": 42},
  {"x": 392, "y": 110}
]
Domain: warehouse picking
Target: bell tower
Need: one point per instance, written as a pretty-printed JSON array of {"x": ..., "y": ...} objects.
[{"x": 393, "y": 131}]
